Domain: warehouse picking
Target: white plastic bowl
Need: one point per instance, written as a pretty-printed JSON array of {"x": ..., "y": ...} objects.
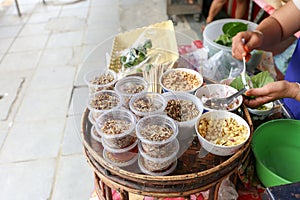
[
  {"x": 214, "y": 29},
  {"x": 190, "y": 71},
  {"x": 269, "y": 108},
  {"x": 218, "y": 90},
  {"x": 216, "y": 149},
  {"x": 186, "y": 128}
]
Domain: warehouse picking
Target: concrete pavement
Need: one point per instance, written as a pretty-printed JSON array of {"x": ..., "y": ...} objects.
[{"x": 41, "y": 53}]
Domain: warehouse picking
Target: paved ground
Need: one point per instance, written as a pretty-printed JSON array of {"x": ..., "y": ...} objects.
[{"x": 40, "y": 55}]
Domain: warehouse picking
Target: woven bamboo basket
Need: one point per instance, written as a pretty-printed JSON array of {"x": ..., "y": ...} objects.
[{"x": 192, "y": 174}]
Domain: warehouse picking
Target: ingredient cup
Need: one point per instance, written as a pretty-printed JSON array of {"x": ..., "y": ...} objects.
[
  {"x": 103, "y": 101},
  {"x": 100, "y": 79},
  {"x": 130, "y": 86},
  {"x": 147, "y": 103},
  {"x": 117, "y": 128}
]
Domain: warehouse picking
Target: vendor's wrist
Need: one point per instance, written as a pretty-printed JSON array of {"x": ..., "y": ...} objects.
[
  {"x": 260, "y": 35},
  {"x": 297, "y": 95},
  {"x": 258, "y": 32}
]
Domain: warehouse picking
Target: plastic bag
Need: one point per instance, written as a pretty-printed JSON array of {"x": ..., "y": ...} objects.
[
  {"x": 227, "y": 190},
  {"x": 140, "y": 49},
  {"x": 222, "y": 66}
]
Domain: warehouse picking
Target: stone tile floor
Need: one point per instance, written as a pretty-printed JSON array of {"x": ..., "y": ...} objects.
[{"x": 41, "y": 53}]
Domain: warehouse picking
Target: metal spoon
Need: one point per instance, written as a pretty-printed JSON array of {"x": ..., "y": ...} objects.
[
  {"x": 243, "y": 74},
  {"x": 222, "y": 103}
]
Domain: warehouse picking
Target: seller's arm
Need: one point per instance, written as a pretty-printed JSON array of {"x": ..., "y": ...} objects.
[{"x": 281, "y": 25}]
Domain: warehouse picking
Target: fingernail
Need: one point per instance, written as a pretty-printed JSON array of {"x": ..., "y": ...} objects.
[{"x": 246, "y": 49}]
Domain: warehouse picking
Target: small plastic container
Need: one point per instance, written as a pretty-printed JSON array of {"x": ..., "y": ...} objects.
[
  {"x": 191, "y": 110},
  {"x": 158, "y": 167},
  {"x": 130, "y": 86},
  {"x": 181, "y": 79},
  {"x": 164, "y": 151},
  {"x": 100, "y": 79},
  {"x": 120, "y": 157},
  {"x": 103, "y": 101},
  {"x": 117, "y": 128},
  {"x": 95, "y": 134},
  {"x": 263, "y": 110},
  {"x": 147, "y": 103},
  {"x": 155, "y": 132}
]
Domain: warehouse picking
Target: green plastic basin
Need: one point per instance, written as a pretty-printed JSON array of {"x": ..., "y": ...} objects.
[{"x": 276, "y": 147}]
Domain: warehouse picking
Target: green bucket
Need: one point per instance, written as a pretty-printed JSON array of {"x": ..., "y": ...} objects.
[{"x": 276, "y": 147}]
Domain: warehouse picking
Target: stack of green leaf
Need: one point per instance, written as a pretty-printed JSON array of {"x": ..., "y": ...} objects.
[{"x": 230, "y": 29}]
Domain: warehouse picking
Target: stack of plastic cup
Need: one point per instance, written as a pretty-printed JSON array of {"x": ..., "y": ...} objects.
[
  {"x": 117, "y": 130},
  {"x": 158, "y": 145}
]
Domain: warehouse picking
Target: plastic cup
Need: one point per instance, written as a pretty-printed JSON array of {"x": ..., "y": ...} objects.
[
  {"x": 190, "y": 110},
  {"x": 156, "y": 132},
  {"x": 103, "y": 101},
  {"x": 100, "y": 79},
  {"x": 157, "y": 167},
  {"x": 120, "y": 157},
  {"x": 180, "y": 79},
  {"x": 117, "y": 128},
  {"x": 164, "y": 151},
  {"x": 130, "y": 86},
  {"x": 147, "y": 103},
  {"x": 95, "y": 134},
  {"x": 91, "y": 118}
]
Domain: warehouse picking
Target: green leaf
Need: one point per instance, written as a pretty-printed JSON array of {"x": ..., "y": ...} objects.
[
  {"x": 224, "y": 40},
  {"x": 232, "y": 28},
  {"x": 148, "y": 67},
  {"x": 139, "y": 70},
  {"x": 123, "y": 59},
  {"x": 258, "y": 80},
  {"x": 148, "y": 44},
  {"x": 261, "y": 79},
  {"x": 237, "y": 82}
]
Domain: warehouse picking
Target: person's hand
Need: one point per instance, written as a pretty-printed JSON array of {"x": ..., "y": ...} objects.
[
  {"x": 271, "y": 92},
  {"x": 252, "y": 40}
]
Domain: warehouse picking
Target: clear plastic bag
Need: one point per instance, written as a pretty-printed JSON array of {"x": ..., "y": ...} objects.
[
  {"x": 227, "y": 190},
  {"x": 222, "y": 66}
]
